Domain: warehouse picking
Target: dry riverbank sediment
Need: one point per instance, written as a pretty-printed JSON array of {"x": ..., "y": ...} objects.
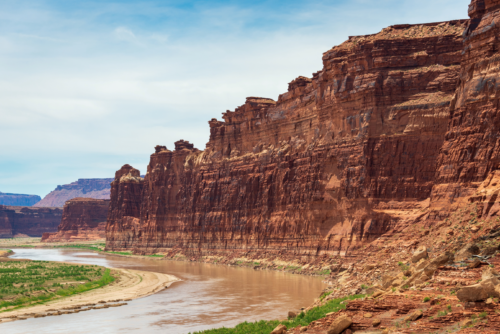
[{"x": 130, "y": 284}]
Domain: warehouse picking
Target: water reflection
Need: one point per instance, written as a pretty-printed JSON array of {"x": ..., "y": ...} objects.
[{"x": 209, "y": 296}]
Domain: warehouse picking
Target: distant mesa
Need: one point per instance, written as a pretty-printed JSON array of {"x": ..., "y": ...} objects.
[
  {"x": 18, "y": 199},
  {"x": 88, "y": 188},
  {"x": 22, "y": 221}
]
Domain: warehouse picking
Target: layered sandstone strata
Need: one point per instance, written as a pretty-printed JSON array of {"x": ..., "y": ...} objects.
[
  {"x": 83, "y": 219},
  {"x": 18, "y": 199},
  {"x": 471, "y": 151},
  {"x": 28, "y": 221},
  {"x": 313, "y": 171},
  {"x": 88, "y": 188}
]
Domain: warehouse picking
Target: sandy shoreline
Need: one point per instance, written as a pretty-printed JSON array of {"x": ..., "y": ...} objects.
[{"x": 131, "y": 284}]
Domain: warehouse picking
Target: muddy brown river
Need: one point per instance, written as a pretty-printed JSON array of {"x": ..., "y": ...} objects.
[{"x": 209, "y": 296}]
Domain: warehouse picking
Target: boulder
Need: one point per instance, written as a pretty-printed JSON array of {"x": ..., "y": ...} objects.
[
  {"x": 474, "y": 264},
  {"x": 443, "y": 259},
  {"x": 419, "y": 254},
  {"x": 420, "y": 265},
  {"x": 397, "y": 282},
  {"x": 371, "y": 290},
  {"x": 430, "y": 270},
  {"x": 376, "y": 322},
  {"x": 281, "y": 329},
  {"x": 467, "y": 252},
  {"x": 340, "y": 324},
  {"x": 466, "y": 323},
  {"x": 387, "y": 281},
  {"x": 292, "y": 315},
  {"x": 377, "y": 293},
  {"x": 414, "y": 316},
  {"x": 480, "y": 291},
  {"x": 488, "y": 273}
]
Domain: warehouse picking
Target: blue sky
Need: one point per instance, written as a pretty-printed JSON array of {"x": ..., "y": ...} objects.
[{"x": 87, "y": 86}]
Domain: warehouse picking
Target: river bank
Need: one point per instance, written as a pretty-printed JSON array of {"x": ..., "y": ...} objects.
[
  {"x": 123, "y": 285},
  {"x": 5, "y": 253},
  {"x": 322, "y": 266}
]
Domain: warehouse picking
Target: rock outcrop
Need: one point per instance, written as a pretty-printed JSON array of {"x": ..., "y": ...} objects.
[
  {"x": 321, "y": 170},
  {"x": 18, "y": 199},
  {"x": 87, "y": 188},
  {"x": 83, "y": 219},
  {"x": 28, "y": 221}
]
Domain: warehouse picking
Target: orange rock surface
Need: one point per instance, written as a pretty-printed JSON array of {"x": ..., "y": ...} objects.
[{"x": 83, "y": 219}]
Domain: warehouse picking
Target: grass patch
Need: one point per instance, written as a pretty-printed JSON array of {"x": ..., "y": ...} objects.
[
  {"x": 303, "y": 319},
  {"x": 23, "y": 283},
  {"x": 292, "y": 268},
  {"x": 120, "y": 253},
  {"x": 96, "y": 247},
  {"x": 324, "y": 295},
  {"x": 325, "y": 272}
]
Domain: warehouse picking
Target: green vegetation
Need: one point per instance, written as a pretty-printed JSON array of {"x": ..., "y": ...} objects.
[
  {"x": 94, "y": 247},
  {"x": 403, "y": 266},
  {"x": 120, "y": 253},
  {"x": 98, "y": 248},
  {"x": 442, "y": 313},
  {"x": 325, "y": 272},
  {"x": 303, "y": 319},
  {"x": 28, "y": 282},
  {"x": 324, "y": 295},
  {"x": 291, "y": 268}
]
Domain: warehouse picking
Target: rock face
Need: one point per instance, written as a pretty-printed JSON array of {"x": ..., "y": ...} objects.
[
  {"x": 18, "y": 199},
  {"x": 83, "y": 219},
  {"x": 471, "y": 151},
  {"x": 28, "y": 221},
  {"x": 123, "y": 224},
  {"x": 315, "y": 172},
  {"x": 88, "y": 188}
]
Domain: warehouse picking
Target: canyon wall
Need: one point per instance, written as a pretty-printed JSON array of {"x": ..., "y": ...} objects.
[
  {"x": 88, "y": 188},
  {"x": 28, "y": 221},
  {"x": 83, "y": 219},
  {"x": 18, "y": 199},
  {"x": 330, "y": 165},
  {"x": 471, "y": 151}
]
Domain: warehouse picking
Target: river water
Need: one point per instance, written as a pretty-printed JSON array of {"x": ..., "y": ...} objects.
[{"x": 209, "y": 296}]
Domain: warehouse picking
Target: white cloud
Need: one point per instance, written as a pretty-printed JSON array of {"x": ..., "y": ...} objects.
[
  {"x": 124, "y": 34},
  {"x": 93, "y": 101}
]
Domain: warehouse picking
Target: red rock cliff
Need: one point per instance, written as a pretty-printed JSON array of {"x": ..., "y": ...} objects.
[
  {"x": 28, "y": 221},
  {"x": 471, "y": 150},
  {"x": 305, "y": 174},
  {"x": 83, "y": 219}
]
